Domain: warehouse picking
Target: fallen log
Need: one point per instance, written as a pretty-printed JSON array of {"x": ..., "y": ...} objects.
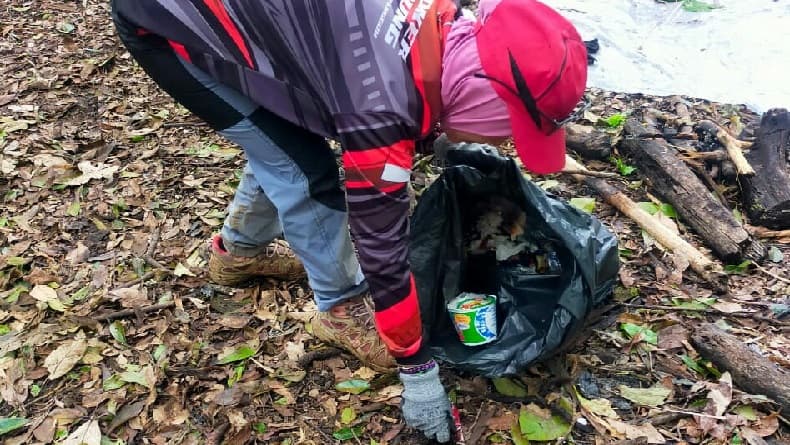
[
  {"x": 674, "y": 182},
  {"x": 750, "y": 371},
  {"x": 698, "y": 262},
  {"x": 733, "y": 146},
  {"x": 588, "y": 141},
  {"x": 766, "y": 195}
]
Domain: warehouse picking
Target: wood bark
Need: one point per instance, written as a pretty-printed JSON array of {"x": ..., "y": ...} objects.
[
  {"x": 698, "y": 262},
  {"x": 766, "y": 195},
  {"x": 750, "y": 371},
  {"x": 695, "y": 204},
  {"x": 588, "y": 141}
]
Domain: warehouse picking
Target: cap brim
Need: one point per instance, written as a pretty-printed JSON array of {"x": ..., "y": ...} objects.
[{"x": 540, "y": 153}]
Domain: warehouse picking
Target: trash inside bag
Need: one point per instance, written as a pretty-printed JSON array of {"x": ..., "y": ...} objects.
[{"x": 483, "y": 228}]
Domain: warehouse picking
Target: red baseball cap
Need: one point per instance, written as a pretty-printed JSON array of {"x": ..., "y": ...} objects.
[{"x": 537, "y": 63}]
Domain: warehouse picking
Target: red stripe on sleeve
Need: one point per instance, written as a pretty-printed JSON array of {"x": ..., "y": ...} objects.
[
  {"x": 218, "y": 9},
  {"x": 180, "y": 50}
]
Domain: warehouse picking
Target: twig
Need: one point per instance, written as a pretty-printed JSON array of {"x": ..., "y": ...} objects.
[
  {"x": 762, "y": 232},
  {"x": 148, "y": 259},
  {"x": 595, "y": 174},
  {"x": 771, "y": 274},
  {"x": 127, "y": 312},
  {"x": 732, "y": 145},
  {"x": 709, "y": 311},
  {"x": 153, "y": 241},
  {"x": 690, "y": 413},
  {"x": 145, "y": 277},
  {"x": 376, "y": 406}
]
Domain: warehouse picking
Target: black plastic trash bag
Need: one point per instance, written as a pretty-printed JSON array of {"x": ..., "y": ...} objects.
[{"x": 535, "y": 312}]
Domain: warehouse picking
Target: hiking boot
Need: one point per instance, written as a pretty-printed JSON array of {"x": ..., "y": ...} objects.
[
  {"x": 350, "y": 325},
  {"x": 277, "y": 261}
]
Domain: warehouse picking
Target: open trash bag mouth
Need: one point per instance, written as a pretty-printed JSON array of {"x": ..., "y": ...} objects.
[{"x": 537, "y": 306}]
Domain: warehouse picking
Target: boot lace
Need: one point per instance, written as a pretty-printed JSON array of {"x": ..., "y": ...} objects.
[
  {"x": 362, "y": 311},
  {"x": 279, "y": 248}
]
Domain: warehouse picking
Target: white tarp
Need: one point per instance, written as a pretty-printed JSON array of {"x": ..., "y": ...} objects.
[{"x": 739, "y": 53}]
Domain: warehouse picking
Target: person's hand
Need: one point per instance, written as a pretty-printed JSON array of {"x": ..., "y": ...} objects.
[{"x": 425, "y": 405}]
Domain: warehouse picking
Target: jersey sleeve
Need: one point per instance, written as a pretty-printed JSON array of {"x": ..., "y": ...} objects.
[{"x": 377, "y": 165}]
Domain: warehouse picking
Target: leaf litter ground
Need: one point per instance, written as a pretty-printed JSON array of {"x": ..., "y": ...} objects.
[{"x": 110, "y": 334}]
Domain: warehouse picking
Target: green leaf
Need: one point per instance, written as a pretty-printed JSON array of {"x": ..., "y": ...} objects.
[
  {"x": 693, "y": 365},
  {"x": 515, "y": 433},
  {"x": 259, "y": 427},
  {"x": 135, "y": 377},
  {"x": 182, "y": 270},
  {"x": 695, "y": 304},
  {"x": 738, "y": 268},
  {"x": 584, "y": 204},
  {"x": 698, "y": 6},
  {"x": 647, "y": 335},
  {"x": 615, "y": 120},
  {"x": 621, "y": 166},
  {"x": 354, "y": 386},
  {"x": 238, "y": 372},
  {"x": 107, "y": 441},
  {"x": 775, "y": 255},
  {"x": 548, "y": 184},
  {"x": 159, "y": 352},
  {"x": 508, "y": 387},
  {"x": 35, "y": 390},
  {"x": 17, "y": 261},
  {"x": 8, "y": 424},
  {"x": 112, "y": 383},
  {"x": 654, "y": 396},
  {"x": 669, "y": 211},
  {"x": 737, "y": 215},
  {"x": 648, "y": 207},
  {"x": 4, "y": 329},
  {"x": 282, "y": 401},
  {"x": 73, "y": 209},
  {"x": 537, "y": 427},
  {"x": 118, "y": 332},
  {"x": 348, "y": 433},
  {"x": 347, "y": 415},
  {"x": 601, "y": 407},
  {"x": 736, "y": 440},
  {"x": 81, "y": 294},
  {"x": 746, "y": 411},
  {"x": 137, "y": 138},
  {"x": 242, "y": 352}
]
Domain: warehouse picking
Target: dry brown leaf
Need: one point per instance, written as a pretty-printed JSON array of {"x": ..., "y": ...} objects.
[
  {"x": 45, "y": 432},
  {"x": 364, "y": 373},
  {"x": 727, "y": 306},
  {"x": 633, "y": 432},
  {"x": 502, "y": 422},
  {"x": 78, "y": 255},
  {"x": 43, "y": 293},
  {"x": 752, "y": 437},
  {"x": 672, "y": 337},
  {"x": 90, "y": 171},
  {"x": 64, "y": 357},
  {"x": 767, "y": 425},
  {"x": 87, "y": 434}
]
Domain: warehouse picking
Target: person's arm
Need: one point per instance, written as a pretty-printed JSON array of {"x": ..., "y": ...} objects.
[{"x": 378, "y": 205}]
